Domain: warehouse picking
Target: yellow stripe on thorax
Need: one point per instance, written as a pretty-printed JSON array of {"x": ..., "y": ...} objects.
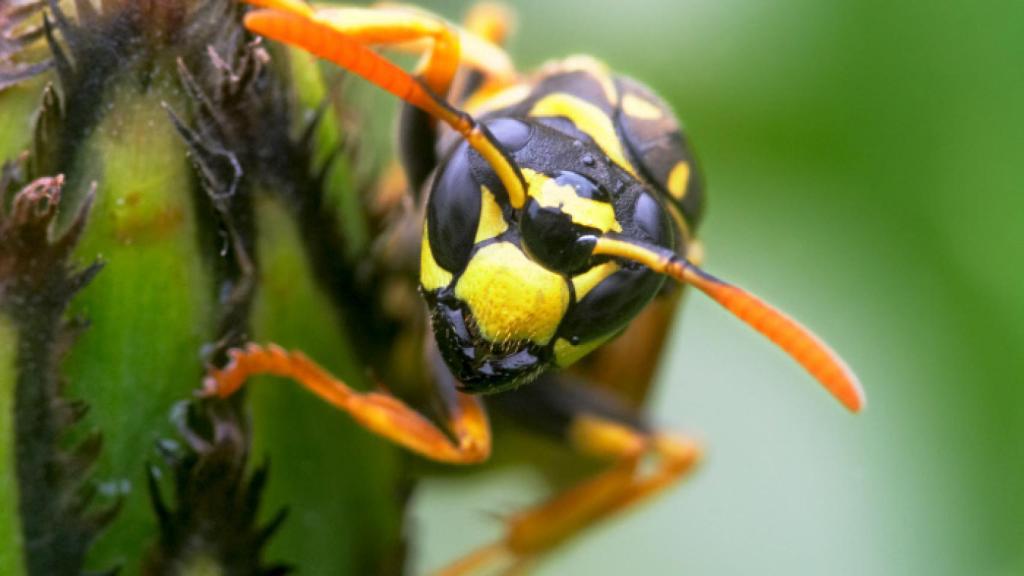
[
  {"x": 486, "y": 100},
  {"x": 589, "y": 119},
  {"x": 590, "y": 65},
  {"x": 639, "y": 108}
]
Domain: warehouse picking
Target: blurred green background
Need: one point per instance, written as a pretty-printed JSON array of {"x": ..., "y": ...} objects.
[{"x": 865, "y": 172}]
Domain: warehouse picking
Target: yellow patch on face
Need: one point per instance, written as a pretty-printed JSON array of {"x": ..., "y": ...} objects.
[
  {"x": 432, "y": 276},
  {"x": 636, "y": 107},
  {"x": 589, "y": 119},
  {"x": 585, "y": 282},
  {"x": 512, "y": 297},
  {"x": 485, "y": 102},
  {"x": 582, "y": 211},
  {"x": 678, "y": 180},
  {"x": 491, "y": 221},
  {"x": 567, "y": 353}
]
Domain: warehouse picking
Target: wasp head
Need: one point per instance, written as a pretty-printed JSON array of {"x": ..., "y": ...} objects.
[{"x": 513, "y": 292}]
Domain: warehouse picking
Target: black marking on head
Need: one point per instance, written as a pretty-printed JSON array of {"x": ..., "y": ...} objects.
[
  {"x": 616, "y": 300},
  {"x": 610, "y": 305},
  {"x": 481, "y": 366},
  {"x": 453, "y": 212},
  {"x": 551, "y": 238}
]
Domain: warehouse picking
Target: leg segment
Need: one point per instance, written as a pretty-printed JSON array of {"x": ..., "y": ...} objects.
[
  {"x": 542, "y": 528},
  {"x": 593, "y": 431},
  {"x": 380, "y": 413},
  {"x": 491, "y": 21},
  {"x": 319, "y": 32},
  {"x": 435, "y": 38},
  {"x": 444, "y": 45}
]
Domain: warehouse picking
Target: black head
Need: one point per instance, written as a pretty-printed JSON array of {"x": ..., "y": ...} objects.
[{"x": 513, "y": 292}]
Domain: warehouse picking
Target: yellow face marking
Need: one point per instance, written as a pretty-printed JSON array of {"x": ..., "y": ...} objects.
[
  {"x": 582, "y": 211},
  {"x": 491, "y": 221},
  {"x": 636, "y": 107},
  {"x": 432, "y": 276},
  {"x": 567, "y": 353},
  {"x": 488, "y": 101},
  {"x": 585, "y": 282},
  {"x": 582, "y": 63},
  {"x": 512, "y": 297},
  {"x": 678, "y": 179},
  {"x": 589, "y": 119}
]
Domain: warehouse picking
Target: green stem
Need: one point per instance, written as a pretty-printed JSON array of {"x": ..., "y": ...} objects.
[
  {"x": 12, "y": 559},
  {"x": 150, "y": 310},
  {"x": 338, "y": 481}
]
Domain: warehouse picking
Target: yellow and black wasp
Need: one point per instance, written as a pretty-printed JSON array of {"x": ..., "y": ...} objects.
[{"x": 551, "y": 209}]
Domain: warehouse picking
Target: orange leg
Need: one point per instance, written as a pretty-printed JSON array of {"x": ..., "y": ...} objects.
[
  {"x": 323, "y": 33},
  {"x": 535, "y": 531},
  {"x": 492, "y": 21},
  {"x": 380, "y": 413},
  {"x": 445, "y": 47}
]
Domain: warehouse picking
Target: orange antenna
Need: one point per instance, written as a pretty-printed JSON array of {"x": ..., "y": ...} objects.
[
  {"x": 296, "y": 23},
  {"x": 800, "y": 343}
]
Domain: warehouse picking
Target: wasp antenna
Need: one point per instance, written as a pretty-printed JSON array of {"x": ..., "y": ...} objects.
[
  {"x": 800, "y": 343},
  {"x": 292, "y": 6},
  {"x": 296, "y": 23}
]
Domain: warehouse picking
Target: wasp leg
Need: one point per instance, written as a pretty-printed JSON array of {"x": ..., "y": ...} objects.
[
  {"x": 378, "y": 412},
  {"x": 596, "y": 427},
  {"x": 491, "y": 21},
  {"x": 445, "y": 48},
  {"x": 490, "y": 69},
  {"x": 318, "y": 32},
  {"x": 389, "y": 27}
]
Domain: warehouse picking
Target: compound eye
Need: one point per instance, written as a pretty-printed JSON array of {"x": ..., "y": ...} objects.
[{"x": 562, "y": 220}]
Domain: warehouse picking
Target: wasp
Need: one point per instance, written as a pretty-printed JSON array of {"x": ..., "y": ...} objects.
[{"x": 555, "y": 220}]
